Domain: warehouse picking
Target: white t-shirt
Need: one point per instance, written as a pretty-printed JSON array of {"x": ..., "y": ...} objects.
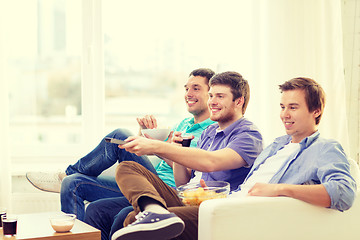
[
  {"x": 268, "y": 169},
  {"x": 196, "y": 178}
]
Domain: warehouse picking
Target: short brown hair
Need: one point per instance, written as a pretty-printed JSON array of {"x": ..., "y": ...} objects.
[
  {"x": 238, "y": 85},
  {"x": 207, "y": 73},
  {"x": 314, "y": 93}
]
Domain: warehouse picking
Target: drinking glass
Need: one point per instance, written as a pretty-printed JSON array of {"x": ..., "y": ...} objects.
[{"x": 9, "y": 223}]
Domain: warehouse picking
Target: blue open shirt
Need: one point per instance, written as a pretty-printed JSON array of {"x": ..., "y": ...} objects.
[{"x": 321, "y": 161}]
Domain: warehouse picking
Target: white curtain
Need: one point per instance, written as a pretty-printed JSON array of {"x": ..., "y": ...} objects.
[
  {"x": 292, "y": 39},
  {"x": 5, "y": 181}
]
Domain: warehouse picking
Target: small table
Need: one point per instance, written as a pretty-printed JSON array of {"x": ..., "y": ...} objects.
[{"x": 37, "y": 227}]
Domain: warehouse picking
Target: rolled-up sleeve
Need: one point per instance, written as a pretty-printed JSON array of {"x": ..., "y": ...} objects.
[{"x": 334, "y": 174}]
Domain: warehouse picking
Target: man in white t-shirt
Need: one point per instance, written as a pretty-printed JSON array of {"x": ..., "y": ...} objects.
[{"x": 302, "y": 165}]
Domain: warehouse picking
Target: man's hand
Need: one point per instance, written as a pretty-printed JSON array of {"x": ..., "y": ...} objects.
[
  {"x": 202, "y": 183},
  {"x": 139, "y": 145},
  {"x": 147, "y": 122},
  {"x": 314, "y": 194},
  {"x": 170, "y": 137},
  {"x": 177, "y": 138},
  {"x": 264, "y": 190}
]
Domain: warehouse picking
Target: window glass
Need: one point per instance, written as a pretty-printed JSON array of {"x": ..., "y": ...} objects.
[
  {"x": 150, "y": 47},
  {"x": 43, "y": 69}
]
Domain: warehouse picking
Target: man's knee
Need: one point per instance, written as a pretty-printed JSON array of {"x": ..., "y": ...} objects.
[
  {"x": 128, "y": 167},
  {"x": 91, "y": 211},
  {"x": 70, "y": 181},
  {"x": 120, "y": 133}
]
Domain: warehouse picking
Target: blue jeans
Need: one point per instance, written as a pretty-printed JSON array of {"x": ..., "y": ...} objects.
[
  {"x": 108, "y": 215},
  {"x": 83, "y": 181}
]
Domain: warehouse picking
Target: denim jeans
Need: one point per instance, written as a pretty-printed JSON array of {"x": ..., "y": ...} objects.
[
  {"x": 83, "y": 181},
  {"x": 108, "y": 215}
]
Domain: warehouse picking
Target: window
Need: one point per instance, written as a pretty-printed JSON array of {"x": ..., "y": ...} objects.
[
  {"x": 148, "y": 55},
  {"x": 78, "y": 69},
  {"x": 43, "y": 68}
]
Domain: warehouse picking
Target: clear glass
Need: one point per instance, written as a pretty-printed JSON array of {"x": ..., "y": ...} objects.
[
  {"x": 63, "y": 222},
  {"x": 193, "y": 194},
  {"x": 43, "y": 68}
]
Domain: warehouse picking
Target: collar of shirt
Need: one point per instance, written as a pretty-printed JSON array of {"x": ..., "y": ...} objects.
[
  {"x": 305, "y": 143},
  {"x": 204, "y": 124},
  {"x": 192, "y": 125},
  {"x": 229, "y": 128}
]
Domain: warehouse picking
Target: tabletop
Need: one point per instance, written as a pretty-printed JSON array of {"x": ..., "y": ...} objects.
[{"x": 37, "y": 226}]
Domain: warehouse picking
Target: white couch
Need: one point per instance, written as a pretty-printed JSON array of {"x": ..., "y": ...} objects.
[{"x": 267, "y": 218}]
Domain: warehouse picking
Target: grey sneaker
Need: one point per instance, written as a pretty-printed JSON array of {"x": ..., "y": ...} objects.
[
  {"x": 48, "y": 182},
  {"x": 151, "y": 225}
]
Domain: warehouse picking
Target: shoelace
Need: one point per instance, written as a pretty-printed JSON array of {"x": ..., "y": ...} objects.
[{"x": 140, "y": 216}]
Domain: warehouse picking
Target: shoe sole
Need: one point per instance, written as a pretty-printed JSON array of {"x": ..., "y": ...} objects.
[
  {"x": 150, "y": 231},
  {"x": 45, "y": 190}
]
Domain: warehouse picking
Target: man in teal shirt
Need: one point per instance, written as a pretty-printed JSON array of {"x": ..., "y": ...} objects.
[
  {"x": 188, "y": 125},
  {"x": 81, "y": 181}
]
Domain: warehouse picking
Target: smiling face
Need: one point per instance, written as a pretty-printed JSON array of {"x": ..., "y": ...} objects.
[
  {"x": 295, "y": 115},
  {"x": 196, "y": 97},
  {"x": 223, "y": 108}
]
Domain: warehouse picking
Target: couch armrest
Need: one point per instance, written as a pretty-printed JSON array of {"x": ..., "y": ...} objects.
[{"x": 277, "y": 218}]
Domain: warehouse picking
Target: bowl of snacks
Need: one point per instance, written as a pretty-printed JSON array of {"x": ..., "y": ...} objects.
[
  {"x": 192, "y": 194},
  {"x": 157, "y": 133},
  {"x": 62, "y": 222}
]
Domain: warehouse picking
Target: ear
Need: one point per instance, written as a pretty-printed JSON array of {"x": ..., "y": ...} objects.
[
  {"x": 240, "y": 101},
  {"x": 317, "y": 113}
]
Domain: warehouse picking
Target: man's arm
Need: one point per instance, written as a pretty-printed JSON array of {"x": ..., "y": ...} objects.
[
  {"x": 197, "y": 159},
  {"x": 182, "y": 174},
  {"x": 313, "y": 194}
]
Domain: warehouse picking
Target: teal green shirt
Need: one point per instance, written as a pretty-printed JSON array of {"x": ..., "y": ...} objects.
[{"x": 187, "y": 125}]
